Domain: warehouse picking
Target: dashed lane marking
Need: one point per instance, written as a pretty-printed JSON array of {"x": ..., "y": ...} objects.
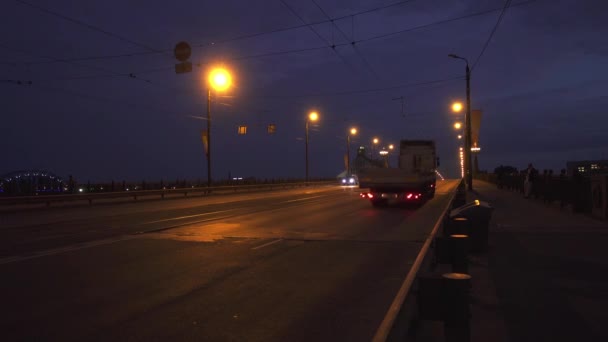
[{"x": 268, "y": 244}]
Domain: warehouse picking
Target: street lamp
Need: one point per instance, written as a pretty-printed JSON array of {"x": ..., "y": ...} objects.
[
  {"x": 375, "y": 141},
  {"x": 390, "y": 149},
  {"x": 467, "y": 124},
  {"x": 457, "y": 107},
  {"x": 353, "y": 131},
  {"x": 457, "y": 125},
  {"x": 312, "y": 116},
  {"x": 220, "y": 80}
]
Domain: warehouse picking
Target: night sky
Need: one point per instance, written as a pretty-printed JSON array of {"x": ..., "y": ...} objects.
[{"x": 105, "y": 102}]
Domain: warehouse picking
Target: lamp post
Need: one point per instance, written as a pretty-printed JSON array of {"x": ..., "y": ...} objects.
[
  {"x": 353, "y": 131},
  {"x": 467, "y": 126},
  {"x": 313, "y": 116},
  {"x": 390, "y": 149},
  {"x": 375, "y": 141},
  {"x": 220, "y": 80}
]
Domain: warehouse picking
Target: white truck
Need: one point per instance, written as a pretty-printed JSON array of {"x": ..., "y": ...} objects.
[{"x": 412, "y": 181}]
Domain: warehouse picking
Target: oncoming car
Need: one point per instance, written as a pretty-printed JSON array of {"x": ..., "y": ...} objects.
[{"x": 349, "y": 180}]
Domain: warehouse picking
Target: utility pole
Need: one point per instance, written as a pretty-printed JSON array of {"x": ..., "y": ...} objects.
[
  {"x": 306, "y": 151},
  {"x": 468, "y": 173},
  {"x": 209, "y": 137},
  {"x": 467, "y": 151}
]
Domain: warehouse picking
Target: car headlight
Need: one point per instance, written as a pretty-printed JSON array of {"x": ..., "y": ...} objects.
[
  {"x": 343, "y": 181},
  {"x": 351, "y": 181}
]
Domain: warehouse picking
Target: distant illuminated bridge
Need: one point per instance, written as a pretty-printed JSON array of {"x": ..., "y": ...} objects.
[{"x": 30, "y": 183}]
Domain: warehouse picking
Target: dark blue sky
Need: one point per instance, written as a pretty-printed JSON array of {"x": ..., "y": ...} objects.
[{"x": 542, "y": 83}]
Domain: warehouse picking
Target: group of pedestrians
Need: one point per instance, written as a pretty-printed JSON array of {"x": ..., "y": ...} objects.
[{"x": 573, "y": 190}]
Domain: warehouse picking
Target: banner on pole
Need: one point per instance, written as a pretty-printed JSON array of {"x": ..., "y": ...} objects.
[
  {"x": 205, "y": 139},
  {"x": 475, "y": 124}
]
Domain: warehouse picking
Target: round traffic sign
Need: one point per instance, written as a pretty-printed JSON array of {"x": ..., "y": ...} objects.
[{"x": 182, "y": 51}]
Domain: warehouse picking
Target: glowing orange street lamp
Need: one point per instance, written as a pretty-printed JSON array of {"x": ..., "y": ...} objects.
[
  {"x": 220, "y": 80},
  {"x": 353, "y": 131},
  {"x": 312, "y": 116},
  {"x": 457, "y": 107},
  {"x": 457, "y": 125}
]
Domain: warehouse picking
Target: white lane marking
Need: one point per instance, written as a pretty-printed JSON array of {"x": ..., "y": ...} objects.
[
  {"x": 268, "y": 244},
  {"x": 60, "y": 250},
  {"x": 302, "y": 199},
  {"x": 189, "y": 216}
]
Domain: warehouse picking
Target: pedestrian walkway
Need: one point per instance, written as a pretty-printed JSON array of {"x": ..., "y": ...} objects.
[{"x": 544, "y": 276}]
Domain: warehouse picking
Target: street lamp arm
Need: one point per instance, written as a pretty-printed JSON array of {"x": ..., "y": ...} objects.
[{"x": 458, "y": 57}]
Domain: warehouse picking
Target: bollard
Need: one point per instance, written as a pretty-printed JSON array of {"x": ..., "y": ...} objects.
[
  {"x": 479, "y": 238},
  {"x": 459, "y": 200},
  {"x": 459, "y": 246},
  {"x": 453, "y": 250},
  {"x": 457, "y": 225},
  {"x": 429, "y": 298},
  {"x": 457, "y": 314}
]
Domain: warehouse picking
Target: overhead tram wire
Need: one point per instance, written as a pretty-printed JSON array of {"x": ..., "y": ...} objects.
[
  {"x": 485, "y": 46},
  {"x": 222, "y": 41},
  {"x": 110, "y": 73},
  {"x": 94, "y": 28},
  {"x": 369, "y": 90},
  {"x": 440, "y": 22},
  {"x": 352, "y": 40},
  {"x": 89, "y": 26},
  {"x": 329, "y": 45}
]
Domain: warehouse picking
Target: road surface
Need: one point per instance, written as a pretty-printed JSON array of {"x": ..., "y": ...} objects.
[{"x": 297, "y": 265}]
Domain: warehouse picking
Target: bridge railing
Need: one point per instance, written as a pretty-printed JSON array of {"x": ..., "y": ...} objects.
[
  {"x": 138, "y": 194},
  {"x": 567, "y": 191}
]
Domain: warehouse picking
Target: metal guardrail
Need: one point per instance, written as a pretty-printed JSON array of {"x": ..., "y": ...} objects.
[
  {"x": 394, "y": 326},
  {"x": 90, "y": 197}
]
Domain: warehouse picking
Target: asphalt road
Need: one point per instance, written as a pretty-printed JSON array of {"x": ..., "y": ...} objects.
[{"x": 297, "y": 265}]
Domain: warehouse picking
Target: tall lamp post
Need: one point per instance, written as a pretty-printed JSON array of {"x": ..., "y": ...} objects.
[
  {"x": 390, "y": 149},
  {"x": 467, "y": 127},
  {"x": 220, "y": 80},
  {"x": 353, "y": 131},
  {"x": 313, "y": 116},
  {"x": 375, "y": 141}
]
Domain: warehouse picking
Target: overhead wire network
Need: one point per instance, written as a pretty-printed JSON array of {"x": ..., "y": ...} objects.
[
  {"x": 226, "y": 40},
  {"x": 328, "y": 44},
  {"x": 291, "y": 51},
  {"x": 91, "y": 27},
  {"x": 340, "y": 93},
  {"x": 351, "y": 39}
]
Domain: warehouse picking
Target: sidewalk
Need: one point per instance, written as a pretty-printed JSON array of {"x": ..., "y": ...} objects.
[{"x": 544, "y": 276}]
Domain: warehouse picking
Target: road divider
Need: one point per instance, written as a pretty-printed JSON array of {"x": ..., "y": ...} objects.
[{"x": 396, "y": 323}]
